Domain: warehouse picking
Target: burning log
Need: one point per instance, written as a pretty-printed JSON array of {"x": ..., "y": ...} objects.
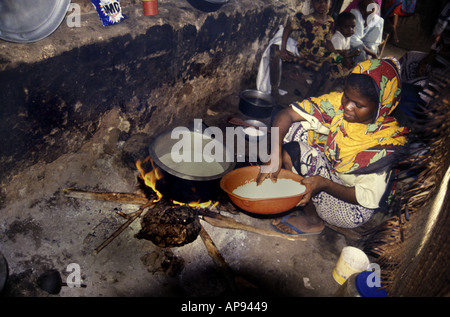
[{"x": 170, "y": 226}]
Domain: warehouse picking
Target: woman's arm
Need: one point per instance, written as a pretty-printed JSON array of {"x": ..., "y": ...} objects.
[
  {"x": 283, "y": 121},
  {"x": 319, "y": 183}
]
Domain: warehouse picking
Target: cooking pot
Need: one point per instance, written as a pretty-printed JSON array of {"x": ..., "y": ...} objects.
[
  {"x": 207, "y": 5},
  {"x": 197, "y": 176},
  {"x": 255, "y": 103}
]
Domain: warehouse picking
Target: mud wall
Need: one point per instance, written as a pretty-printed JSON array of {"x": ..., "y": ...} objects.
[{"x": 153, "y": 71}]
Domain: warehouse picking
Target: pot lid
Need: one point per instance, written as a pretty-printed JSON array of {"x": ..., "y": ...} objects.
[{"x": 24, "y": 21}]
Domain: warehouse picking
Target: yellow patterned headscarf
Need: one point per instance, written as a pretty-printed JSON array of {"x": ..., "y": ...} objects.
[{"x": 354, "y": 147}]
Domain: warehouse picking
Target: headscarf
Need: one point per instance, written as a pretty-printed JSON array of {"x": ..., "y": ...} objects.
[{"x": 359, "y": 148}]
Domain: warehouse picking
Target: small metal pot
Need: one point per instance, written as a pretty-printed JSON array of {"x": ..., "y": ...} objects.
[
  {"x": 192, "y": 181},
  {"x": 255, "y": 103}
]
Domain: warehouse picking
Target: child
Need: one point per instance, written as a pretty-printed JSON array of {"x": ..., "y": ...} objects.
[
  {"x": 368, "y": 31},
  {"x": 345, "y": 28},
  {"x": 342, "y": 63},
  {"x": 310, "y": 50},
  {"x": 314, "y": 40}
]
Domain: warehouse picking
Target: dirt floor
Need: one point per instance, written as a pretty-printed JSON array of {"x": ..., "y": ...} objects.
[{"x": 42, "y": 229}]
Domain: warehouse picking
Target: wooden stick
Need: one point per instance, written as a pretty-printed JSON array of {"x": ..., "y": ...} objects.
[
  {"x": 236, "y": 282},
  {"x": 213, "y": 251},
  {"x": 132, "y": 217},
  {"x": 221, "y": 221},
  {"x": 125, "y": 198}
]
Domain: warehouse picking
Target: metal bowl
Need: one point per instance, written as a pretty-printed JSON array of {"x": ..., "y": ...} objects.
[
  {"x": 267, "y": 206},
  {"x": 253, "y": 134},
  {"x": 255, "y": 103},
  {"x": 24, "y": 21}
]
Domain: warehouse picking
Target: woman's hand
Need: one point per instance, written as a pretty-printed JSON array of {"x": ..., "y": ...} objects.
[
  {"x": 316, "y": 184},
  {"x": 269, "y": 170},
  {"x": 319, "y": 183}
]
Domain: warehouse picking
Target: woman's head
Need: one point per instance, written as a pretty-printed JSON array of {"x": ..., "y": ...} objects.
[
  {"x": 321, "y": 6},
  {"x": 360, "y": 99},
  {"x": 372, "y": 91}
]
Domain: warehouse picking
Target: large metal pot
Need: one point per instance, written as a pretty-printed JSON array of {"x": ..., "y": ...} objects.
[
  {"x": 189, "y": 181},
  {"x": 255, "y": 103}
]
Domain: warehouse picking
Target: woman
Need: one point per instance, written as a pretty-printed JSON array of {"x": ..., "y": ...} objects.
[{"x": 343, "y": 143}]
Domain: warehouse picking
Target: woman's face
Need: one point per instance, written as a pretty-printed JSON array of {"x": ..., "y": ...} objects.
[
  {"x": 357, "y": 108},
  {"x": 321, "y": 6}
]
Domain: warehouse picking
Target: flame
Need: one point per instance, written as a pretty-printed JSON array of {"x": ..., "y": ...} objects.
[
  {"x": 197, "y": 204},
  {"x": 150, "y": 178}
]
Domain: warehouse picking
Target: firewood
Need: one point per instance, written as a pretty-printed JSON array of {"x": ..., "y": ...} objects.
[
  {"x": 132, "y": 217},
  {"x": 237, "y": 283},
  {"x": 124, "y": 198},
  {"x": 221, "y": 221}
]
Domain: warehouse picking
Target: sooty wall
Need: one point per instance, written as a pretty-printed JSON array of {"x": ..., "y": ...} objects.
[{"x": 155, "y": 70}]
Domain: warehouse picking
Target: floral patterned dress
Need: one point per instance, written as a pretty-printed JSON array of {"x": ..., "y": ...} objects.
[{"x": 312, "y": 39}]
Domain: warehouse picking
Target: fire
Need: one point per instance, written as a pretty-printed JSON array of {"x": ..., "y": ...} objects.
[
  {"x": 197, "y": 204},
  {"x": 150, "y": 178}
]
